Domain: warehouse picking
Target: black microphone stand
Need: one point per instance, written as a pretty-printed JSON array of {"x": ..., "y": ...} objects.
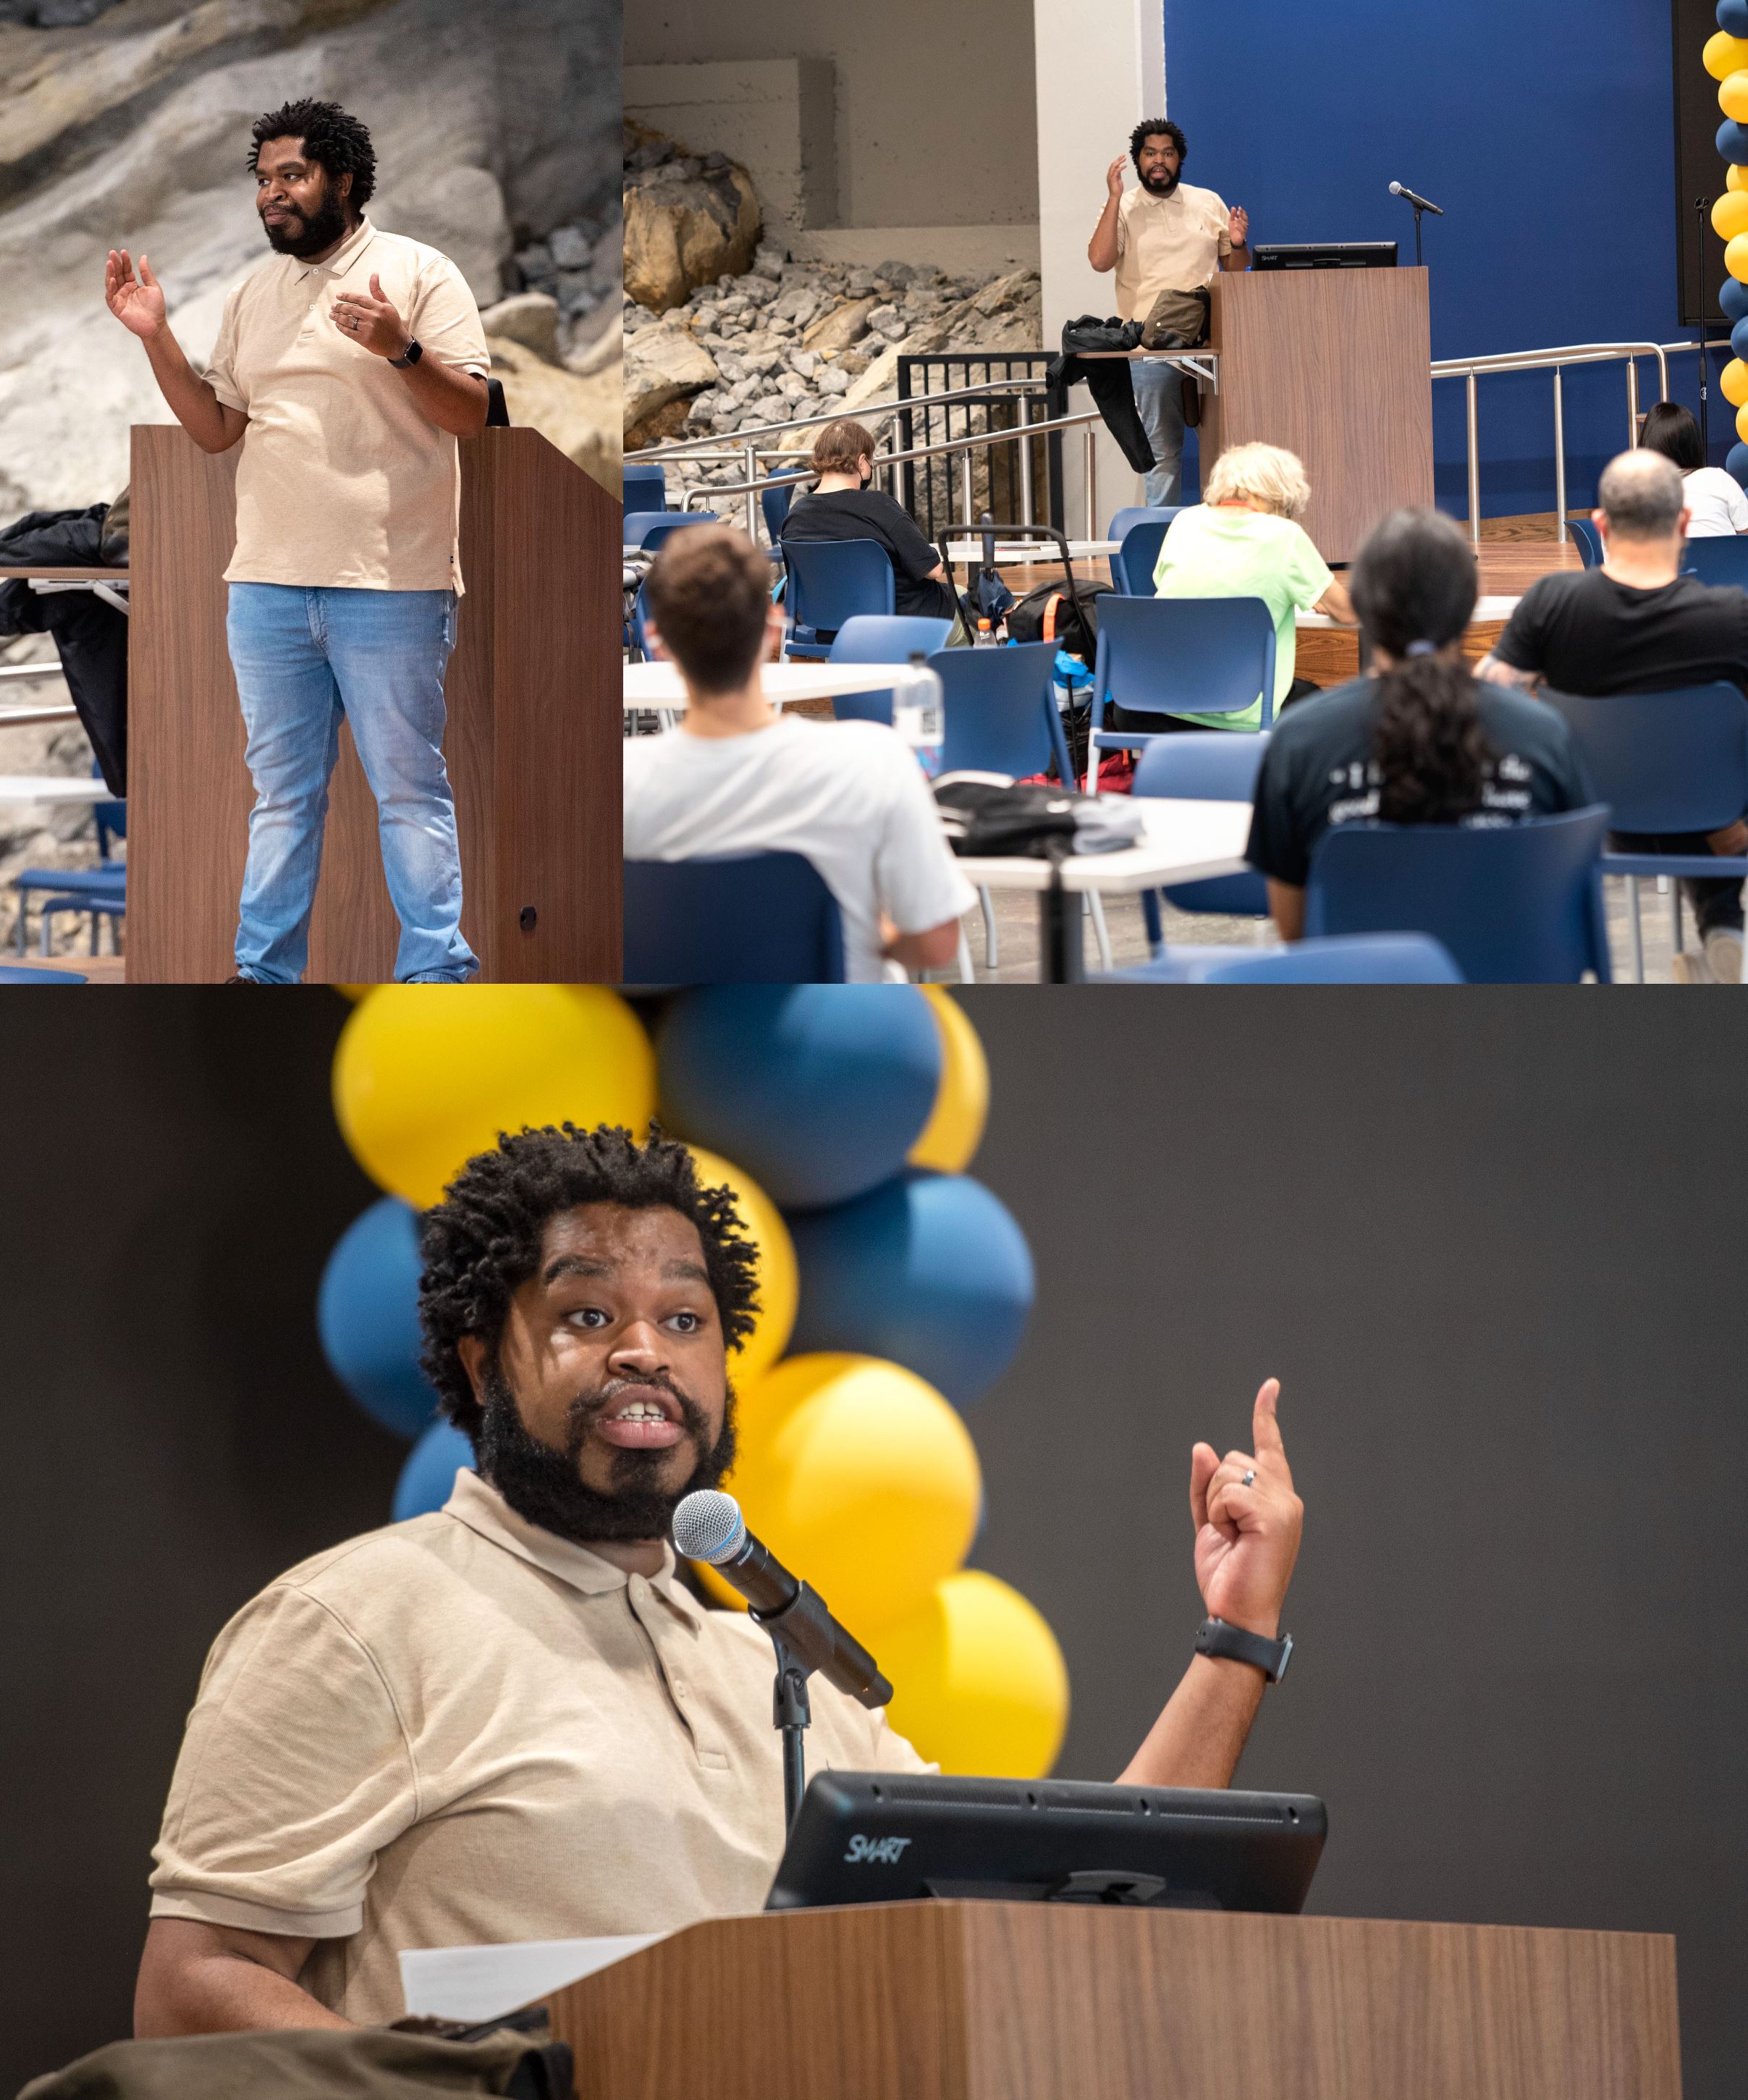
[
  {"x": 1420, "y": 209},
  {"x": 1700, "y": 207},
  {"x": 790, "y": 1714}
]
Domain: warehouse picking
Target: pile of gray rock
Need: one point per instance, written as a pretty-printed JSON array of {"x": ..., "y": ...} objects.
[{"x": 578, "y": 268}]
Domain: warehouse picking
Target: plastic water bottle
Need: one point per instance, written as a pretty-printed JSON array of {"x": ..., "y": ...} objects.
[
  {"x": 986, "y": 636},
  {"x": 919, "y": 713}
]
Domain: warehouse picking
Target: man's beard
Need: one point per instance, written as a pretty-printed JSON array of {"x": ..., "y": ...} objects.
[
  {"x": 1159, "y": 185},
  {"x": 324, "y": 229},
  {"x": 544, "y": 1486}
]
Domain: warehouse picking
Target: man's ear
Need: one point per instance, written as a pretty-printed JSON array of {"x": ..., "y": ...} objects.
[
  {"x": 342, "y": 184},
  {"x": 474, "y": 1355}
]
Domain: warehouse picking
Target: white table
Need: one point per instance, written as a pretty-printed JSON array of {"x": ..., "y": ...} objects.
[
  {"x": 659, "y": 685},
  {"x": 1016, "y": 553},
  {"x": 1184, "y": 842},
  {"x": 52, "y": 787}
]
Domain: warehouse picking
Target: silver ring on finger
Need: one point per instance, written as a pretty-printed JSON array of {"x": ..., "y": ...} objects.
[{"x": 1249, "y": 1480}]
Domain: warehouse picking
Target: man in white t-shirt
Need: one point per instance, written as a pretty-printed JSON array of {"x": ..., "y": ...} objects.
[
  {"x": 738, "y": 777},
  {"x": 1167, "y": 235}
]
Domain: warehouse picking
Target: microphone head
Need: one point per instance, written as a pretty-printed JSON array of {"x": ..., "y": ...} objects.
[
  {"x": 708, "y": 1526},
  {"x": 1396, "y": 189}
]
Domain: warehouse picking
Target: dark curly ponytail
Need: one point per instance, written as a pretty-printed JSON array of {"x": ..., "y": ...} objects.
[{"x": 1414, "y": 590}]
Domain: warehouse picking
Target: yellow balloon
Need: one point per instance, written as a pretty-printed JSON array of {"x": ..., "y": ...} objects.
[
  {"x": 979, "y": 1685},
  {"x": 1729, "y": 212},
  {"x": 355, "y": 992},
  {"x": 1741, "y": 425},
  {"x": 427, "y": 1075},
  {"x": 961, "y": 1103},
  {"x": 1724, "y": 55},
  {"x": 1736, "y": 257},
  {"x": 860, "y": 1476},
  {"x": 1733, "y": 383},
  {"x": 1732, "y": 97},
  {"x": 780, "y": 1287},
  {"x": 1736, "y": 179}
]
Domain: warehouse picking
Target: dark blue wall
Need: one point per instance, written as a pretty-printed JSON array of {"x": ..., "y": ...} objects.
[{"x": 1546, "y": 129}]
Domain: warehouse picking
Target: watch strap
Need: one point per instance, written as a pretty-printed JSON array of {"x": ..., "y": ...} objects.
[
  {"x": 411, "y": 355},
  {"x": 1216, "y": 1637}
]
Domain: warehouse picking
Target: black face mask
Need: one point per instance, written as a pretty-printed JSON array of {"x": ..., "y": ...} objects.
[
  {"x": 543, "y": 1485},
  {"x": 325, "y": 229}
]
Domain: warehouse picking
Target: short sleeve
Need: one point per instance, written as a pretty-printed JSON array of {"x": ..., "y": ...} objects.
[
  {"x": 1738, "y": 503},
  {"x": 1275, "y": 847},
  {"x": 446, "y": 320},
  {"x": 294, "y": 1773},
  {"x": 1308, "y": 575},
  {"x": 221, "y": 367},
  {"x": 917, "y": 881},
  {"x": 1523, "y": 643},
  {"x": 1123, "y": 225},
  {"x": 916, "y": 557},
  {"x": 1222, "y": 222}
]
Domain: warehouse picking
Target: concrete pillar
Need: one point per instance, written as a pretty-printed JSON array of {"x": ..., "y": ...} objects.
[{"x": 1100, "y": 68}]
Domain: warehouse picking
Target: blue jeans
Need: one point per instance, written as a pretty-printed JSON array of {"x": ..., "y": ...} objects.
[
  {"x": 1159, "y": 403},
  {"x": 303, "y": 658}
]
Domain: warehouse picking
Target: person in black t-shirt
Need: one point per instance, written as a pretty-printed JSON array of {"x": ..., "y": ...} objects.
[
  {"x": 1638, "y": 625},
  {"x": 844, "y": 507},
  {"x": 1421, "y": 742}
]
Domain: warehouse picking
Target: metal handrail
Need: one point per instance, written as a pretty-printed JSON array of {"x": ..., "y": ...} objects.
[{"x": 686, "y": 445}]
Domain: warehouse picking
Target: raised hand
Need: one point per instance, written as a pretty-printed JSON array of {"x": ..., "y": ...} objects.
[
  {"x": 136, "y": 301},
  {"x": 1247, "y": 1521},
  {"x": 372, "y": 321},
  {"x": 1239, "y": 226},
  {"x": 1113, "y": 174}
]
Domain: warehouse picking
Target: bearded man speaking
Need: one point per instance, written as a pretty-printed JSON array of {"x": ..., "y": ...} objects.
[
  {"x": 510, "y": 1720},
  {"x": 348, "y": 364}
]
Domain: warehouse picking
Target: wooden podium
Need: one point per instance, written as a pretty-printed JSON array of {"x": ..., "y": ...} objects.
[
  {"x": 533, "y": 740},
  {"x": 1336, "y": 366},
  {"x": 1050, "y": 2002}
]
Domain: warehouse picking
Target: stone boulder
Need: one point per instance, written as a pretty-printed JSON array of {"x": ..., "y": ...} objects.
[
  {"x": 688, "y": 222},
  {"x": 663, "y": 365},
  {"x": 577, "y": 412},
  {"x": 529, "y": 318},
  {"x": 840, "y": 327}
]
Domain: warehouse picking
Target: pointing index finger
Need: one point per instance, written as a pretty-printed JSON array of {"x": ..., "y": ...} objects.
[{"x": 1265, "y": 1429}]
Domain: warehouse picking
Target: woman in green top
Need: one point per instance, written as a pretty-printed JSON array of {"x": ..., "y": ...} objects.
[{"x": 1242, "y": 540}]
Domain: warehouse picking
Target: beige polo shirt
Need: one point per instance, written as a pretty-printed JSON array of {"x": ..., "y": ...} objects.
[
  {"x": 343, "y": 480},
  {"x": 463, "y": 1729},
  {"x": 1170, "y": 243}
]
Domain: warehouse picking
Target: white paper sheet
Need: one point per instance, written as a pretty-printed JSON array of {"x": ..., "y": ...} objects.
[{"x": 480, "y": 1982}]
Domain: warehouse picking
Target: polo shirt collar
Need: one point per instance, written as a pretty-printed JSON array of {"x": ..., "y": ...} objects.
[
  {"x": 343, "y": 257},
  {"x": 479, "y": 1506}
]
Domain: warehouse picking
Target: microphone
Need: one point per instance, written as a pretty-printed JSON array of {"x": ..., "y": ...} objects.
[
  {"x": 708, "y": 1526},
  {"x": 1423, "y": 203}
]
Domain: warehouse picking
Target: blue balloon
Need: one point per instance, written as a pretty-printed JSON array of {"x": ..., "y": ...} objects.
[
  {"x": 429, "y": 1475},
  {"x": 1733, "y": 16},
  {"x": 928, "y": 1271},
  {"x": 817, "y": 1091},
  {"x": 1733, "y": 301},
  {"x": 1732, "y": 143},
  {"x": 1735, "y": 462},
  {"x": 366, "y": 1313},
  {"x": 1739, "y": 337}
]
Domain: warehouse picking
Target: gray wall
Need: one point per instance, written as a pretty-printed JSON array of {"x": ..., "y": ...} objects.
[
  {"x": 1490, "y": 1243},
  {"x": 936, "y": 112}
]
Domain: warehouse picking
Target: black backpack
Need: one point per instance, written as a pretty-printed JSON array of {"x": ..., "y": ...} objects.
[{"x": 1055, "y": 613}]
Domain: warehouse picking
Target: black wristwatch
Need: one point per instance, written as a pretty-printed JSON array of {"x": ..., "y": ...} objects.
[
  {"x": 411, "y": 355},
  {"x": 1215, "y": 1637}
]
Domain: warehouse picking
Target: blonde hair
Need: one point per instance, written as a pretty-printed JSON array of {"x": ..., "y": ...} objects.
[{"x": 1266, "y": 474}]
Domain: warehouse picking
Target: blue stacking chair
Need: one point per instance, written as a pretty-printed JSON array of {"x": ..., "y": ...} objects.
[
  {"x": 1132, "y": 566},
  {"x": 11, "y": 973},
  {"x": 102, "y": 889},
  {"x": 892, "y": 637},
  {"x": 649, "y": 531},
  {"x": 1204, "y": 765},
  {"x": 1588, "y": 539},
  {"x": 1675, "y": 761},
  {"x": 1515, "y": 904},
  {"x": 760, "y": 918},
  {"x": 645, "y": 488},
  {"x": 1719, "y": 558},
  {"x": 774, "y": 504},
  {"x": 828, "y": 582},
  {"x": 1175, "y": 656},
  {"x": 1351, "y": 959}
]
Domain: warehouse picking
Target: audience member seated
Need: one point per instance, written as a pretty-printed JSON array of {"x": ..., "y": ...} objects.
[
  {"x": 1637, "y": 626},
  {"x": 1717, "y": 509},
  {"x": 738, "y": 777},
  {"x": 844, "y": 506},
  {"x": 1242, "y": 540},
  {"x": 1420, "y": 741}
]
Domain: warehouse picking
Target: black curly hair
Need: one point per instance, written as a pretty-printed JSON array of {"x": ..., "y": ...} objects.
[
  {"x": 483, "y": 1239},
  {"x": 332, "y": 139},
  {"x": 1156, "y": 127}
]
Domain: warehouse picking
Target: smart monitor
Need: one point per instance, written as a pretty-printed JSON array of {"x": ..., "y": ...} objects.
[
  {"x": 1325, "y": 255},
  {"x": 882, "y": 1837}
]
